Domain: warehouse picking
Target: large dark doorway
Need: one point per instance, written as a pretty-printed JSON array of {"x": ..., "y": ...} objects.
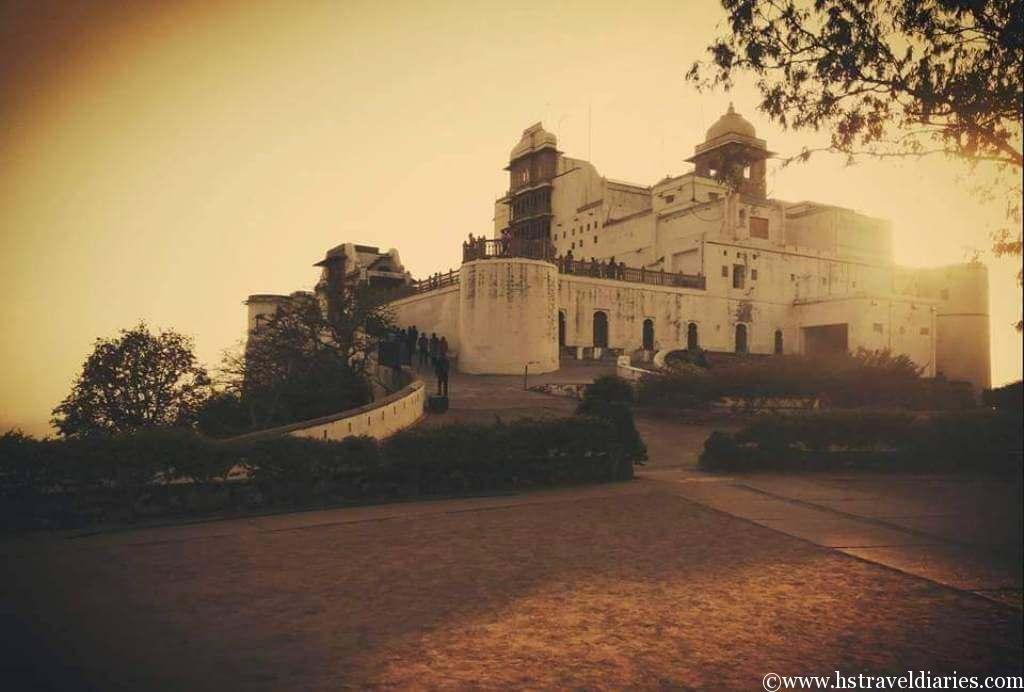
[
  {"x": 600, "y": 330},
  {"x": 741, "y": 338},
  {"x": 828, "y": 339},
  {"x": 648, "y": 335},
  {"x": 561, "y": 329}
]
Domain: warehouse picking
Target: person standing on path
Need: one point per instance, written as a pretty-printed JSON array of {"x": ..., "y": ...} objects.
[
  {"x": 442, "y": 347},
  {"x": 435, "y": 344},
  {"x": 441, "y": 370},
  {"x": 424, "y": 349}
]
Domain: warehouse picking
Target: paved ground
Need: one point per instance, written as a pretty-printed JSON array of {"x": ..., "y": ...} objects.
[
  {"x": 676, "y": 580},
  {"x": 626, "y": 585}
]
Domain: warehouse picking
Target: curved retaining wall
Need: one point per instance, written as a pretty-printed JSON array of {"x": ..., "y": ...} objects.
[
  {"x": 378, "y": 419},
  {"x": 508, "y": 316}
]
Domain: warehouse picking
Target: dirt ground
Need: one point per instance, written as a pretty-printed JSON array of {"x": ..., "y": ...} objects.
[{"x": 627, "y": 585}]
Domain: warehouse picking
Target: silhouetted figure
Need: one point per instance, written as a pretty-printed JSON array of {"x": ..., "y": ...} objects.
[
  {"x": 442, "y": 347},
  {"x": 568, "y": 262},
  {"x": 424, "y": 345},
  {"x": 435, "y": 344},
  {"x": 441, "y": 370}
]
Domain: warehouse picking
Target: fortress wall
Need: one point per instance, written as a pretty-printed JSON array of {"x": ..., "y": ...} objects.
[
  {"x": 378, "y": 419},
  {"x": 900, "y": 325},
  {"x": 962, "y": 346},
  {"x": 672, "y": 310},
  {"x": 508, "y": 316},
  {"x": 436, "y": 311}
]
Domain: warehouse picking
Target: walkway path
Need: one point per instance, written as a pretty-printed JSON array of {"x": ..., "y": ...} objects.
[
  {"x": 962, "y": 532},
  {"x": 630, "y": 585}
]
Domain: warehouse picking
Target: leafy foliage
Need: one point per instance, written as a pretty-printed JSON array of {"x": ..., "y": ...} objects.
[
  {"x": 965, "y": 440},
  {"x": 76, "y": 481},
  {"x": 940, "y": 71},
  {"x": 865, "y": 378},
  {"x": 136, "y": 381},
  {"x": 302, "y": 363}
]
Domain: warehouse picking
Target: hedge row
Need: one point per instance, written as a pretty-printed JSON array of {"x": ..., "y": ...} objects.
[
  {"x": 77, "y": 482},
  {"x": 950, "y": 441},
  {"x": 866, "y": 378}
]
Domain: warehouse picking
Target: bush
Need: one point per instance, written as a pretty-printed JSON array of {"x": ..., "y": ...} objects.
[
  {"x": 969, "y": 440},
  {"x": 1009, "y": 397},
  {"x": 81, "y": 481},
  {"x": 864, "y": 379}
]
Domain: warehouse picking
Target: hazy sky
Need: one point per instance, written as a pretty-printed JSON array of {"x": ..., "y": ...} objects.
[{"x": 161, "y": 161}]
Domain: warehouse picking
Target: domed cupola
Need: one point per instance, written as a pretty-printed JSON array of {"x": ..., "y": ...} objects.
[
  {"x": 732, "y": 153},
  {"x": 732, "y": 123}
]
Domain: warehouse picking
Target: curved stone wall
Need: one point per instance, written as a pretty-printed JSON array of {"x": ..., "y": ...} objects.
[
  {"x": 508, "y": 316},
  {"x": 378, "y": 419}
]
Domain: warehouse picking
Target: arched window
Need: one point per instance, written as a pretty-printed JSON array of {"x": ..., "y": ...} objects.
[
  {"x": 778, "y": 341},
  {"x": 692, "y": 342},
  {"x": 741, "y": 338},
  {"x": 561, "y": 328},
  {"x": 648, "y": 335},
  {"x": 600, "y": 329}
]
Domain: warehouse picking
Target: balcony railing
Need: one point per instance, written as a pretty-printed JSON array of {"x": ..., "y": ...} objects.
[
  {"x": 435, "y": 281},
  {"x": 618, "y": 272},
  {"x": 482, "y": 248}
]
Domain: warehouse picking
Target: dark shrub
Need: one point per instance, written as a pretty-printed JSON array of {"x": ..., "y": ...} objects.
[
  {"x": 1009, "y": 397},
  {"x": 968, "y": 440},
  {"x": 73, "y": 482},
  {"x": 608, "y": 389},
  {"x": 866, "y": 378},
  {"x": 224, "y": 415}
]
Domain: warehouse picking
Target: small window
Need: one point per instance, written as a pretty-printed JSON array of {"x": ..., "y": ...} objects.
[
  {"x": 725, "y": 271},
  {"x": 669, "y": 199},
  {"x": 712, "y": 196},
  {"x": 792, "y": 277},
  {"x": 753, "y": 275},
  {"x": 595, "y": 238},
  {"x": 739, "y": 275},
  {"x": 878, "y": 327},
  {"x": 574, "y": 245},
  {"x": 758, "y": 227},
  {"x": 925, "y": 331}
]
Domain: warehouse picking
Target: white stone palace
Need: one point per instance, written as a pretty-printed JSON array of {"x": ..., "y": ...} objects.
[{"x": 580, "y": 265}]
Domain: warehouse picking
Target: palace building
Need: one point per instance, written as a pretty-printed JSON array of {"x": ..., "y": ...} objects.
[{"x": 580, "y": 265}]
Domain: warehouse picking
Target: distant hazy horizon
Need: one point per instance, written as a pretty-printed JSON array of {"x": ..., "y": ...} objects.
[{"x": 162, "y": 161}]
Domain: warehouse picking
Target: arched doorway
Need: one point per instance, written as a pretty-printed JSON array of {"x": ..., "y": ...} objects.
[
  {"x": 778, "y": 342},
  {"x": 600, "y": 329},
  {"x": 692, "y": 342},
  {"x": 741, "y": 338},
  {"x": 648, "y": 335},
  {"x": 561, "y": 329}
]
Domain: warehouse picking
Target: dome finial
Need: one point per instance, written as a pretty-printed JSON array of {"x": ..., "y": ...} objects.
[{"x": 731, "y": 109}]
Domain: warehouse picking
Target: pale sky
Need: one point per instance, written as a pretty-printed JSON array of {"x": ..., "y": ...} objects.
[{"x": 162, "y": 161}]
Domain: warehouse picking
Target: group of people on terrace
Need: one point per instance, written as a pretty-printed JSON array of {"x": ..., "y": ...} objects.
[
  {"x": 477, "y": 248},
  {"x": 432, "y": 352},
  {"x": 608, "y": 269}
]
